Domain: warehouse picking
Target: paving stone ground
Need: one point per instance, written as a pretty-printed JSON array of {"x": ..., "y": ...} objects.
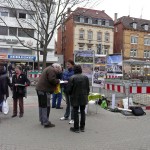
[{"x": 104, "y": 130}]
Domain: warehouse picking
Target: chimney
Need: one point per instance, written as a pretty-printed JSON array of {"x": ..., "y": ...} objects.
[{"x": 115, "y": 17}]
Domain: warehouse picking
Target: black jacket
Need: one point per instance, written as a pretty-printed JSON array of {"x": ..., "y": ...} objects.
[
  {"x": 4, "y": 83},
  {"x": 78, "y": 89},
  {"x": 19, "y": 91}
]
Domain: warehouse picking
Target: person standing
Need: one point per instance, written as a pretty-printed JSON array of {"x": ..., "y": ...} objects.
[
  {"x": 4, "y": 83},
  {"x": 46, "y": 86},
  {"x": 19, "y": 83},
  {"x": 10, "y": 69},
  {"x": 78, "y": 88},
  {"x": 57, "y": 96},
  {"x": 66, "y": 76}
]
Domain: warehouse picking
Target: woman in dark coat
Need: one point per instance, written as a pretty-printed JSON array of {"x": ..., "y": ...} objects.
[
  {"x": 4, "y": 83},
  {"x": 78, "y": 88},
  {"x": 19, "y": 83}
]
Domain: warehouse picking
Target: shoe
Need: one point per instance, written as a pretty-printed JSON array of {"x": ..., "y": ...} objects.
[
  {"x": 82, "y": 129},
  {"x": 21, "y": 115},
  {"x": 42, "y": 123},
  {"x": 74, "y": 130},
  {"x": 53, "y": 107},
  {"x": 71, "y": 122},
  {"x": 59, "y": 107},
  {"x": 63, "y": 118},
  {"x": 50, "y": 125},
  {"x": 13, "y": 116}
]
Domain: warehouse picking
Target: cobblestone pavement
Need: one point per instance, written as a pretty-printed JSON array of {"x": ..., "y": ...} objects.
[{"x": 104, "y": 130}]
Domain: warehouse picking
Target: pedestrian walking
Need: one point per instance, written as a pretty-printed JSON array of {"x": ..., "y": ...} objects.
[
  {"x": 45, "y": 87},
  {"x": 4, "y": 83},
  {"x": 66, "y": 76},
  {"x": 78, "y": 88},
  {"x": 19, "y": 83}
]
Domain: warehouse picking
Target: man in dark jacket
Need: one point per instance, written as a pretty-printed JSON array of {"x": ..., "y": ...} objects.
[
  {"x": 46, "y": 86},
  {"x": 78, "y": 89},
  {"x": 4, "y": 83}
]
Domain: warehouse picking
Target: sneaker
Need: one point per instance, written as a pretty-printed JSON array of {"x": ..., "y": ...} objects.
[
  {"x": 74, "y": 130},
  {"x": 63, "y": 118},
  {"x": 50, "y": 125},
  {"x": 13, "y": 116},
  {"x": 71, "y": 122}
]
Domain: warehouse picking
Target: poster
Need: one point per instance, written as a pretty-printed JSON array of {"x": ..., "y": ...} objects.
[
  {"x": 114, "y": 65},
  {"x": 84, "y": 57},
  {"x": 99, "y": 72}
]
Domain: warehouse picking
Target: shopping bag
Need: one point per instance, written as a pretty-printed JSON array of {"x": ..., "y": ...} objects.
[{"x": 5, "y": 107}]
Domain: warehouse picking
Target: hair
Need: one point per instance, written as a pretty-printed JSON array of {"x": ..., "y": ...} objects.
[
  {"x": 71, "y": 62},
  {"x": 56, "y": 65},
  {"x": 19, "y": 67},
  {"x": 77, "y": 69}
]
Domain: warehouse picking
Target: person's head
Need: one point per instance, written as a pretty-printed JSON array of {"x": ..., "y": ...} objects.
[
  {"x": 77, "y": 69},
  {"x": 57, "y": 67},
  {"x": 70, "y": 63},
  {"x": 18, "y": 69}
]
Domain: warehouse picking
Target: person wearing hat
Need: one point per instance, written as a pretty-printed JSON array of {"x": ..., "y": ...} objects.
[{"x": 19, "y": 84}]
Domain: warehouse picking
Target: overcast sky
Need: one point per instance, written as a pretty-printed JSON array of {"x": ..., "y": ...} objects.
[{"x": 134, "y": 8}]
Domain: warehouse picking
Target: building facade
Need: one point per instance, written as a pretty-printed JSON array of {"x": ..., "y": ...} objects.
[
  {"x": 85, "y": 29},
  {"x": 132, "y": 38},
  {"x": 17, "y": 43}
]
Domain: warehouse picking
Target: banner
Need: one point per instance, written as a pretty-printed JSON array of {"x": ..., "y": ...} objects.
[
  {"x": 99, "y": 72},
  {"x": 114, "y": 65}
]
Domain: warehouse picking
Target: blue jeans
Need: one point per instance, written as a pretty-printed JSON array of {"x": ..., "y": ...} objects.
[
  {"x": 56, "y": 100},
  {"x": 68, "y": 108}
]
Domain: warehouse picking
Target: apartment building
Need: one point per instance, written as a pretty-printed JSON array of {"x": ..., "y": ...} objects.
[
  {"x": 85, "y": 29},
  {"x": 17, "y": 44}
]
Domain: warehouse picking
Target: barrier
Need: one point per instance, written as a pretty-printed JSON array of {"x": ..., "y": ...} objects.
[
  {"x": 137, "y": 90},
  {"x": 33, "y": 76}
]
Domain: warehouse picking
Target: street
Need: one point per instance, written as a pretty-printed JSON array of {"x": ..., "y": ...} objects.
[{"x": 104, "y": 130}]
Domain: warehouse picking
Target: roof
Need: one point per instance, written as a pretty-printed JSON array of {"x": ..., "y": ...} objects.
[
  {"x": 91, "y": 13},
  {"x": 127, "y": 21}
]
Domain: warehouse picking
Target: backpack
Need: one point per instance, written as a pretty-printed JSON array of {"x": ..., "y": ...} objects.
[{"x": 137, "y": 111}]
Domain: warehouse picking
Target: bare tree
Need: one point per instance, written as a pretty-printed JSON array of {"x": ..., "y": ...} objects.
[{"x": 46, "y": 16}]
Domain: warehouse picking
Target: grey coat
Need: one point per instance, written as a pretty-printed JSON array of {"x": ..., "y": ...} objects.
[{"x": 78, "y": 88}]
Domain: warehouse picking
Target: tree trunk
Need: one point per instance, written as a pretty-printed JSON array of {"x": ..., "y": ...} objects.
[{"x": 44, "y": 56}]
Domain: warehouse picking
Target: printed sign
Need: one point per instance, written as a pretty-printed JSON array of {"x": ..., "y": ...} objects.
[{"x": 22, "y": 57}]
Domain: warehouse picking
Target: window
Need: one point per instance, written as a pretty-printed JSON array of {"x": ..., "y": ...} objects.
[
  {"x": 107, "y": 23},
  {"x": 134, "y": 39},
  {"x": 81, "y": 19},
  {"x": 89, "y": 20},
  {"x": 22, "y": 15},
  {"x": 90, "y": 35},
  {"x": 4, "y": 14},
  {"x": 81, "y": 46},
  {"x": 146, "y": 27},
  {"x": 81, "y": 34},
  {"x": 99, "y": 22},
  {"x": 134, "y": 25},
  {"x": 103, "y": 22},
  {"x": 133, "y": 53},
  {"x": 22, "y": 51},
  {"x": 107, "y": 36},
  {"x": 146, "y": 53},
  {"x": 12, "y": 13},
  {"x": 99, "y": 49},
  {"x": 3, "y": 30},
  {"x": 13, "y": 31},
  {"x": 25, "y": 32},
  {"x": 146, "y": 41},
  {"x": 89, "y": 47},
  {"x": 99, "y": 36}
]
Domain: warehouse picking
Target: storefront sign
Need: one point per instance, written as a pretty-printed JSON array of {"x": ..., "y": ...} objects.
[
  {"x": 22, "y": 57},
  {"x": 3, "y": 56}
]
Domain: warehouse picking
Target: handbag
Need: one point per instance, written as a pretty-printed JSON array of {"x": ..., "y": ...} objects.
[{"x": 5, "y": 107}]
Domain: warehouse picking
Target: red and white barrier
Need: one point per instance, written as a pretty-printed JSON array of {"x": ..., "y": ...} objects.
[
  {"x": 34, "y": 75},
  {"x": 113, "y": 87},
  {"x": 139, "y": 89}
]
